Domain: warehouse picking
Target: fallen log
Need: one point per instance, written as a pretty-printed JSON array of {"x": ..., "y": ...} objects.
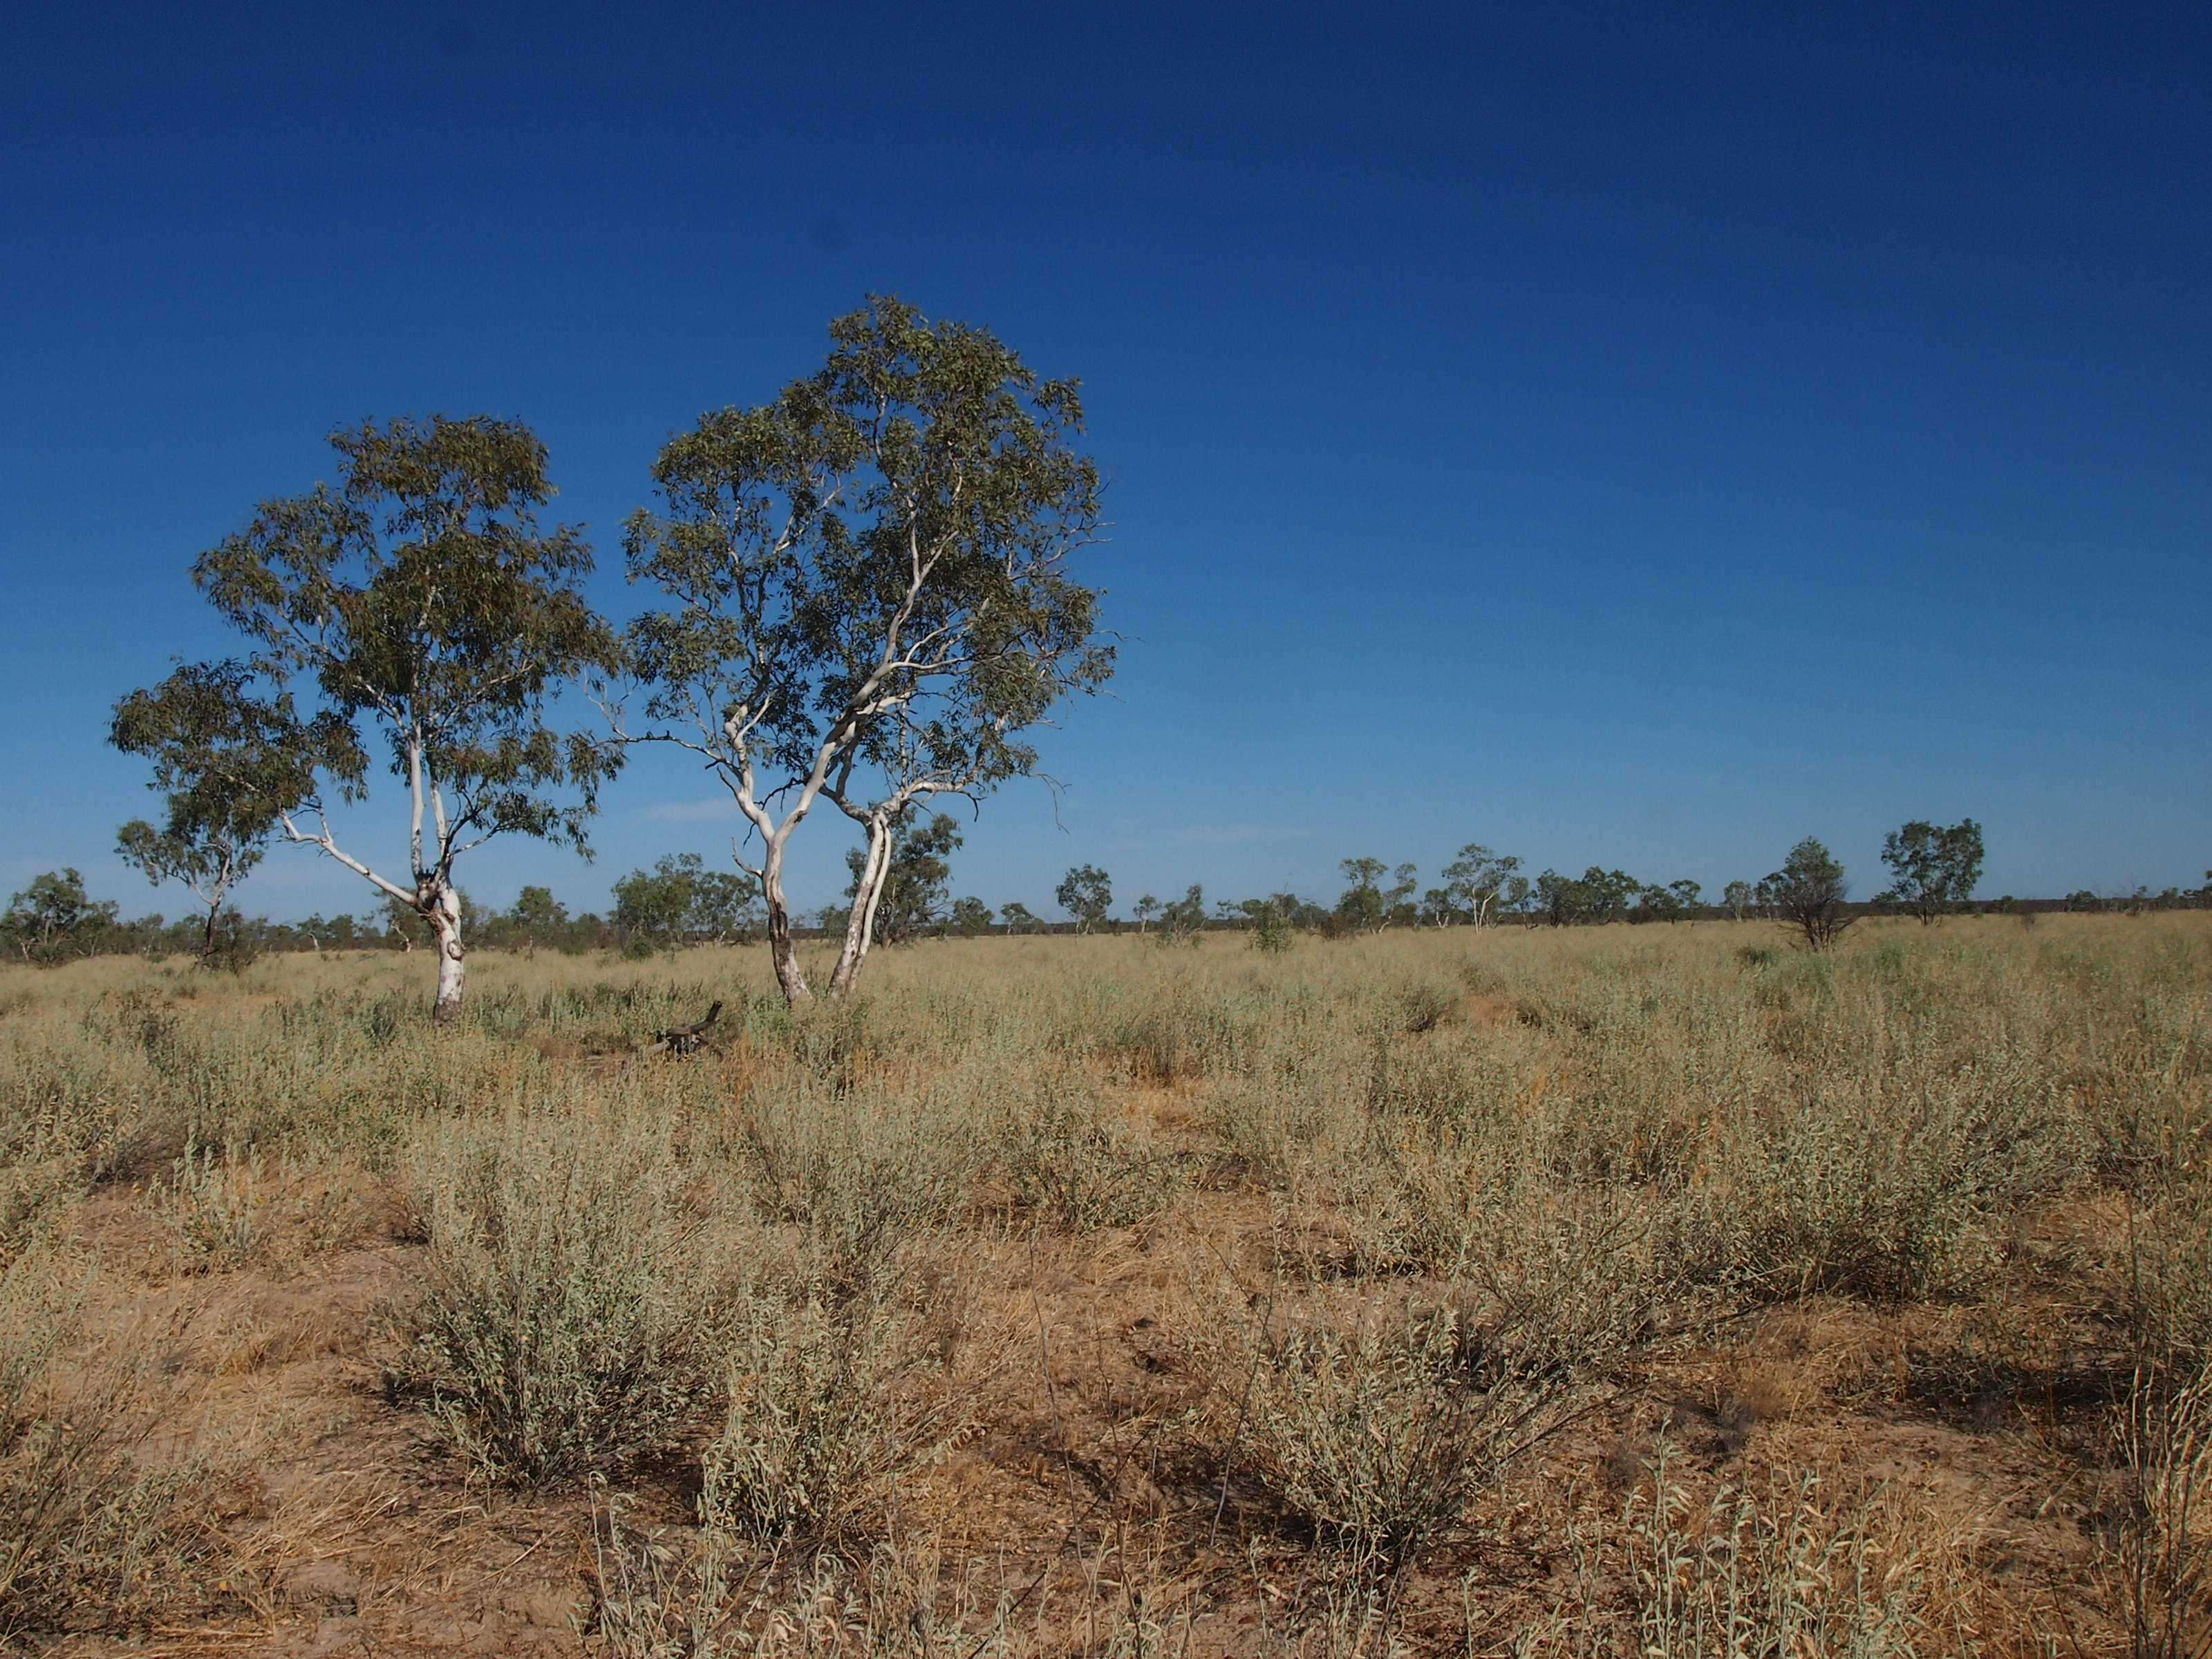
[{"x": 683, "y": 1039}]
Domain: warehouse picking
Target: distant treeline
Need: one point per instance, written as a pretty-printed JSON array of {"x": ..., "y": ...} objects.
[{"x": 680, "y": 902}]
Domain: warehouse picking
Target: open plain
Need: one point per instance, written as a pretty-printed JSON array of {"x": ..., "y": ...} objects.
[{"x": 1656, "y": 1290}]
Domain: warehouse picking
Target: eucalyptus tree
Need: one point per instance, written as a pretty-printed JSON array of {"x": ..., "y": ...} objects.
[
  {"x": 869, "y": 599},
  {"x": 415, "y": 614},
  {"x": 1808, "y": 894},
  {"x": 1934, "y": 868},
  {"x": 538, "y": 917},
  {"x": 54, "y": 917},
  {"x": 1476, "y": 877},
  {"x": 227, "y": 761},
  {"x": 1087, "y": 893},
  {"x": 1366, "y": 906},
  {"x": 1183, "y": 919},
  {"x": 653, "y": 908}
]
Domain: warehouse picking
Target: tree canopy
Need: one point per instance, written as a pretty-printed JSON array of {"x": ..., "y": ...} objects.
[
  {"x": 228, "y": 762},
  {"x": 867, "y": 589},
  {"x": 431, "y": 623},
  {"x": 914, "y": 887},
  {"x": 1087, "y": 893},
  {"x": 1807, "y": 894},
  {"x": 1934, "y": 868}
]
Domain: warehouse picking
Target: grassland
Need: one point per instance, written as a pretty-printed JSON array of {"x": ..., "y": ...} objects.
[{"x": 1656, "y": 1291}]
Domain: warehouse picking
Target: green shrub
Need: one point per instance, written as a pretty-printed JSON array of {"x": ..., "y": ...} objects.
[
  {"x": 1377, "y": 1439},
  {"x": 832, "y": 1397},
  {"x": 569, "y": 1321}
]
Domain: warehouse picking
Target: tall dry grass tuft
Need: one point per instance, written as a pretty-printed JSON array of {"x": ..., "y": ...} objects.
[
  {"x": 2158, "y": 1564},
  {"x": 97, "y": 1530}
]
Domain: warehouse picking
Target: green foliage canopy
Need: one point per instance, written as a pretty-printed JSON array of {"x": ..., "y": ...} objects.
[
  {"x": 1934, "y": 868},
  {"x": 1087, "y": 893}
]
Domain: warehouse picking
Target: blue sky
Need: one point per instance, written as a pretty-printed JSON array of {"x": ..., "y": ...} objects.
[{"x": 1631, "y": 436}]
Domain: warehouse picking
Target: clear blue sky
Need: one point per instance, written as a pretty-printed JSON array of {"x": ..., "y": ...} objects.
[{"x": 1634, "y": 436}]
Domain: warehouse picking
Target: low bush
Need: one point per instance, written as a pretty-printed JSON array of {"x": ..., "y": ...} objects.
[
  {"x": 569, "y": 1321},
  {"x": 1375, "y": 1437},
  {"x": 1888, "y": 1194},
  {"x": 1076, "y": 1167},
  {"x": 861, "y": 1175},
  {"x": 212, "y": 1206},
  {"x": 832, "y": 1397}
]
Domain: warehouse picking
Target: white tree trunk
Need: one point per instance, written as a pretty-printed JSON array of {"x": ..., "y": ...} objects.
[
  {"x": 867, "y": 896},
  {"x": 441, "y": 909},
  {"x": 782, "y": 951}
]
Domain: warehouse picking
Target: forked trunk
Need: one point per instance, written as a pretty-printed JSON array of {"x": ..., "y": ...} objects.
[
  {"x": 782, "y": 949},
  {"x": 867, "y": 896},
  {"x": 441, "y": 909}
]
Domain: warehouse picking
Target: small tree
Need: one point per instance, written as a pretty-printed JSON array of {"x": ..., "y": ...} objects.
[
  {"x": 1144, "y": 909},
  {"x": 420, "y": 605},
  {"x": 55, "y": 918},
  {"x": 725, "y": 907},
  {"x": 1475, "y": 879},
  {"x": 226, "y": 762},
  {"x": 1087, "y": 893},
  {"x": 870, "y": 598},
  {"x": 1610, "y": 895},
  {"x": 1808, "y": 894},
  {"x": 1933, "y": 868},
  {"x": 1367, "y": 907},
  {"x": 1738, "y": 896},
  {"x": 1017, "y": 916},
  {"x": 538, "y": 917},
  {"x": 403, "y": 925},
  {"x": 1184, "y": 919},
  {"x": 914, "y": 887},
  {"x": 970, "y": 916},
  {"x": 1274, "y": 926},
  {"x": 653, "y": 908},
  {"x": 1561, "y": 900}
]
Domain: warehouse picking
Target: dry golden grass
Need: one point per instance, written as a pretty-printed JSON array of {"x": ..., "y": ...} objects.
[{"x": 1652, "y": 1290}]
